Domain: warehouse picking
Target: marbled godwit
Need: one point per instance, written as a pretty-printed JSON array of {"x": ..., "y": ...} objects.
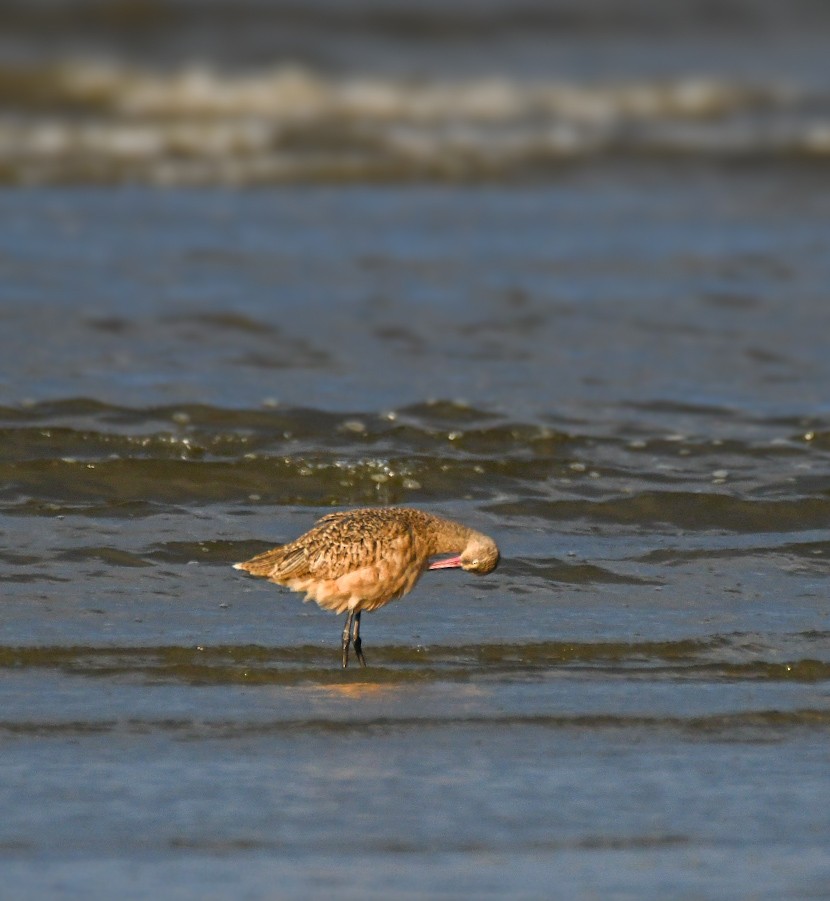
[{"x": 360, "y": 560}]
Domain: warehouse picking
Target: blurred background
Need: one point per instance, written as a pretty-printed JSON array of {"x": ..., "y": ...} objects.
[
  {"x": 555, "y": 269},
  {"x": 264, "y": 91}
]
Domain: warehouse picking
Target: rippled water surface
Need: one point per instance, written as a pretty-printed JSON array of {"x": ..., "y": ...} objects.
[
  {"x": 631, "y": 399},
  {"x": 616, "y": 364}
]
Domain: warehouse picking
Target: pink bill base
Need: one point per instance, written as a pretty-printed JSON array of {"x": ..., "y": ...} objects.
[{"x": 449, "y": 563}]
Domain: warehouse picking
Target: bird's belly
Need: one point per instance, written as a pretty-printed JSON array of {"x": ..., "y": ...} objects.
[{"x": 362, "y": 589}]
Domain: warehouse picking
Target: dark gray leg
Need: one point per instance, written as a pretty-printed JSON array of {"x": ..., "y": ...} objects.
[
  {"x": 347, "y": 637},
  {"x": 356, "y": 640}
]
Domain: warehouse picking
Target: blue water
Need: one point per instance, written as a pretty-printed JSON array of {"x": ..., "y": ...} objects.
[{"x": 620, "y": 377}]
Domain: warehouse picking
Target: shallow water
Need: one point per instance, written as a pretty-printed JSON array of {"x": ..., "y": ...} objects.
[
  {"x": 585, "y": 312},
  {"x": 635, "y": 704}
]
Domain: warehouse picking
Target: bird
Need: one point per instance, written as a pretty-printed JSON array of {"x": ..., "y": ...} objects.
[{"x": 358, "y": 560}]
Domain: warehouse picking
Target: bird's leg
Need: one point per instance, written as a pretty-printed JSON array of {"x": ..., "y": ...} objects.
[
  {"x": 356, "y": 640},
  {"x": 347, "y": 637}
]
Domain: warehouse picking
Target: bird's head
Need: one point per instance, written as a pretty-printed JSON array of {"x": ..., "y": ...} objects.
[{"x": 481, "y": 555}]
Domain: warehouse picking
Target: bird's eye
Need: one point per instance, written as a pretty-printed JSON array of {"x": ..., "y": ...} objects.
[{"x": 475, "y": 562}]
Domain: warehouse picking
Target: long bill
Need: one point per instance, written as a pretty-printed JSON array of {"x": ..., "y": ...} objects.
[{"x": 448, "y": 563}]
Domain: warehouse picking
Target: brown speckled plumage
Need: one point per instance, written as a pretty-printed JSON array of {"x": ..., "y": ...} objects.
[{"x": 359, "y": 560}]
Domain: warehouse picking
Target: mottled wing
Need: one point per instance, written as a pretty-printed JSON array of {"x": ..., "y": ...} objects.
[
  {"x": 281, "y": 562},
  {"x": 343, "y": 542}
]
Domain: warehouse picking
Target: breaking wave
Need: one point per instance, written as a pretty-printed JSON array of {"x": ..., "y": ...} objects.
[{"x": 86, "y": 122}]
